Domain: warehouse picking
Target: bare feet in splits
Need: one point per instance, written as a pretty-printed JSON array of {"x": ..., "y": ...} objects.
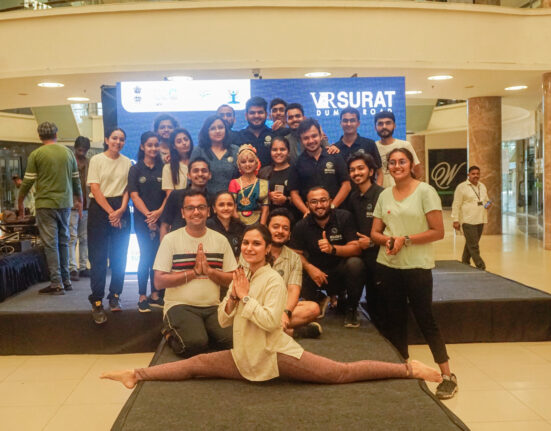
[
  {"x": 127, "y": 377},
  {"x": 424, "y": 372}
]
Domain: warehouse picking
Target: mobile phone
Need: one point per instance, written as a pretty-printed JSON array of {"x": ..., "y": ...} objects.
[
  {"x": 279, "y": 188},
  {"x": 391, "y": 244},
  {"x": 487, "y": 204}
]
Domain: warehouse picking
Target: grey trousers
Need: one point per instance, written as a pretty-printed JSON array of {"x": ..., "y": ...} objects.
[{"x": 472, "y": 233}]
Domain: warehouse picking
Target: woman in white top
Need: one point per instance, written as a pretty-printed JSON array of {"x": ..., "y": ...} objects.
[
  {"x": 262, "y": 350},
  {"x": 407, "y": 219},
  {"x": 108, "y": 222},
  {"x": 175, "y": 171}
]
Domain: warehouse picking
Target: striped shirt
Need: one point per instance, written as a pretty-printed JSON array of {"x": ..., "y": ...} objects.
[{"x": 178, "y": 253}]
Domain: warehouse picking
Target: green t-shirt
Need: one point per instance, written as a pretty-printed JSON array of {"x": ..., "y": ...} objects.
[
  {"x": 407, "y": 217},
  {"x": 53, "y": 168}
]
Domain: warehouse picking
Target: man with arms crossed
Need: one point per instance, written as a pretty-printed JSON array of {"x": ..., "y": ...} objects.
[{"x": 192, "y": 264}]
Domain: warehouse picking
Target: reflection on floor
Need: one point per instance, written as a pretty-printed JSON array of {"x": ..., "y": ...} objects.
[{"x": 504, "y": 386}]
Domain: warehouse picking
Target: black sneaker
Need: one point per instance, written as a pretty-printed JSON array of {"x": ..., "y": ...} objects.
[
  {"x": 74, "y": 276},
  {"x": 52, "y": 290},
  {"x": 98, "y": 313},
  {"x": 67, "y": 286},
  {"x": 447, "y": 388},
  {"x": 157, "y": 303},
  {"x": 114, "y": 303},
  {"x": 84, "y": 273},
  {"x": 144, "y": 307},
  {"x": 312, "y": 330},
  {"x": 351, "y": 319}
]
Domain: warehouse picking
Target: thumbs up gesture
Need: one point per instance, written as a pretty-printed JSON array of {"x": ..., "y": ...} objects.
[{"x": 324, "y": 244}]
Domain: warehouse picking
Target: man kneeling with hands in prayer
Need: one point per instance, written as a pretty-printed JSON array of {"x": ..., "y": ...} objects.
[{"x": 192, "y": 264}]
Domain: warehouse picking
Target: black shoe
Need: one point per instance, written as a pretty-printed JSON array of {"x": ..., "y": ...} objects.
[
  {"x": 52, "y": 290},
  {"x": 447, "y": 388},
  {"x": 144, "y": 307},
  {"x": 98, "y": 313},
  {"x": 157, "y": 303},
  {"x": 312, "y": 330},
  {"x": 114, "y": 303},
  {"x": 68, "y": 286},
  {"x": 84, "y": 273},
  {"x": 74, "y": 276},
  {"x": 351, "y": 319}
]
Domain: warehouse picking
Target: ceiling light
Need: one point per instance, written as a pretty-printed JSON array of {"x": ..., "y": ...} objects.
[
  {"x": 78, "y": 99},
  {"x": 410, "y": 92},
  {"x": 317, "y": 74},
  {"x": 439, "y": 77},
  {"x": 516, "y": 88},
  {"x": 51, "y": 84},
  {"x": 179, "y": 78}
]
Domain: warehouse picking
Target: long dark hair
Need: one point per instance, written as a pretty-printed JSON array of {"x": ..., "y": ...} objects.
[
  {"x": 267, "y": 171},
  {"x": 175, "y": 155},
  {"x": 406, "y": 153},
  {"x": 143, "y": 139},
  {"x": 204, "y": 140},
  {"x": 266, "y": 236},
  {"x": 108, "y": 133}
]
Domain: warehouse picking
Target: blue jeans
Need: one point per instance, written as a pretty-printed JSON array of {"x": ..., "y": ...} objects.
[
  {"x": 53, "y": 225},
  {"x": 77, "y": 230},
  {"x": 149, "y": 244}
]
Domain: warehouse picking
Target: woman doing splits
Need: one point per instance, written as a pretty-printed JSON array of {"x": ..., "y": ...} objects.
[{"x": 262, "y": 351}]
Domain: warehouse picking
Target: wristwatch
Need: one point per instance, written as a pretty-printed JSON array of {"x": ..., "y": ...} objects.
[
  {"x": 407, "y": 242},
  {"x": 245, "y": 299},
  {"x": 289, "y": 313},
  {"x": 333, "y": 250}
]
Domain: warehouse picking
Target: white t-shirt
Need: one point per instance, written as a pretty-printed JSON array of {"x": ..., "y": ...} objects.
[
  {"x": 167, "y": 183},
  {"x": 385, "y": 149},
  {"x": 110, "y": 174},
  {"x": 178, "y": 252}
]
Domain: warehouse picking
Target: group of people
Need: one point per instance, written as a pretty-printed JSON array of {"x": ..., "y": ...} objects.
[{"x": 287, "y": 223}]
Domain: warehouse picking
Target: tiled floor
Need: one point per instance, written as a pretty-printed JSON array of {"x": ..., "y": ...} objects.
[{"x": 504, "y": 386}]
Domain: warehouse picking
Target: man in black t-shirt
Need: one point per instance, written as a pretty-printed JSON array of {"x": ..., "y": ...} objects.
[
  {"x": 315, "y": 167},
  {"x": 362, "y": 201},
  {"x": 327, "y": 244},
  {"x": 199, "y": 175},
  {"x": 257, "y": 133}
]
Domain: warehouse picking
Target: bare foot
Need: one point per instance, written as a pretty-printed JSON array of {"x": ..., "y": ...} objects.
[
  {"x": 424, "y": 372},
  {"x": 127, "y": 377}
]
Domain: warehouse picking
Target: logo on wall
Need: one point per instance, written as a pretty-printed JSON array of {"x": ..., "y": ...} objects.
[
  {"x": 233, "y": 95},
  {"x": 447, "y": 169}
]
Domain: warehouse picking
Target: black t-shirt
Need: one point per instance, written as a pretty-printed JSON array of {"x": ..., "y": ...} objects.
[
  {"x": 262, "y": 143},
  {"x": 172, "y": 214},
  {"x": 339, "y": 230},
  {"x": 329, "y": 172},
  {"x": 362, "y": 207},
  {"x": 234, "y": 234},
  {"x": 147, "y": 183},
  {"x": 361, "y": 144}
]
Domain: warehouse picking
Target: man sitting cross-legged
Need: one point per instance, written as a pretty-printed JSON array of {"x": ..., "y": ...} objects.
[
  {"x": 299, "y": 317},
  {"x": 192, "y": 264}
]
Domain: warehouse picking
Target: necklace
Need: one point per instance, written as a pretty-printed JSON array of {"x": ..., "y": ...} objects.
[{"x": 245, "y": 200}]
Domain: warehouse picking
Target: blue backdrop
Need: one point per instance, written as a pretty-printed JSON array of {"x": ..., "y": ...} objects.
[{"x": 139, "y": 103}]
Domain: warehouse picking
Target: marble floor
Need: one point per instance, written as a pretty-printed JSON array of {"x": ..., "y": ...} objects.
[{"x": 503, "y": 386}]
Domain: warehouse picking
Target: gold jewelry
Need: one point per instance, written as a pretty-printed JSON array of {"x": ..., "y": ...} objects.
[{"x": 245, "y": 200}]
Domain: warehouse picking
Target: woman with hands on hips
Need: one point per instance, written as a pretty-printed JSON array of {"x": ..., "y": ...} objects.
[{"x": 407, "y": 219}]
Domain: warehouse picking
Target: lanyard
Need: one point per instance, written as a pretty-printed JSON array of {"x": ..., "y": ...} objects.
[{"x": 474, "y": 190}]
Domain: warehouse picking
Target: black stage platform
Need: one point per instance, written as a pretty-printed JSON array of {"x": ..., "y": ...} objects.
[
  {"x": 282, "y": 405},
  {"x": 470, "y": 306}
]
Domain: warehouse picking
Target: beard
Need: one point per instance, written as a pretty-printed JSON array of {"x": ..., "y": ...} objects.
[
  {"x": 385, "y": 133},
  {"x": 321, "y": 217}
]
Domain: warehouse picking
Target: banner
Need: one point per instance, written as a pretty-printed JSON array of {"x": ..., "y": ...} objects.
[
  {"x": 447, "y": 169},
  {"x": 190, "y": 102}
]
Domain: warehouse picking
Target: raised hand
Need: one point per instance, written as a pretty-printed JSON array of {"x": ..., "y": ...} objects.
[
  {"x": 240, "y": 283},
  {"x": 324, "y": 244}
]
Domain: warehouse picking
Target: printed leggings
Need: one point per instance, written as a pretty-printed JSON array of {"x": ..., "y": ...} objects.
[{"x": 309, "y": 368}]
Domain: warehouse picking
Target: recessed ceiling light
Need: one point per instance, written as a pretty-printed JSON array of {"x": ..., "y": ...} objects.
[
  {"x": 317, "y": 74},
  {"x": 516, "y": 88},
  {"x": 78, "y": 99},
  {"x": 409, "y": 92},
  {"x": 179, "y": 78},
  {"x": 439, "y": 77},
  {"x": 51, "y": 84}
]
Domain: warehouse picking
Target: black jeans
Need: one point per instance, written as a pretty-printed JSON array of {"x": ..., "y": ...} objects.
[
  {"x": 347, "y": 276},
  {"x": 398, "y": 287},
  {"x": 106, "y": 242},
  {"x": 190, "y": 330},
  {"x": 472, "y": 233},
  {"x": 149, "y": 244}
]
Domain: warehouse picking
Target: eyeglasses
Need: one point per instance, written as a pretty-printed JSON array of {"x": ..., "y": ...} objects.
[
  {"x": 401, "y": 162},
  {"x": 315, "y": 202},
  {"x": 191, "y": 209}
]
